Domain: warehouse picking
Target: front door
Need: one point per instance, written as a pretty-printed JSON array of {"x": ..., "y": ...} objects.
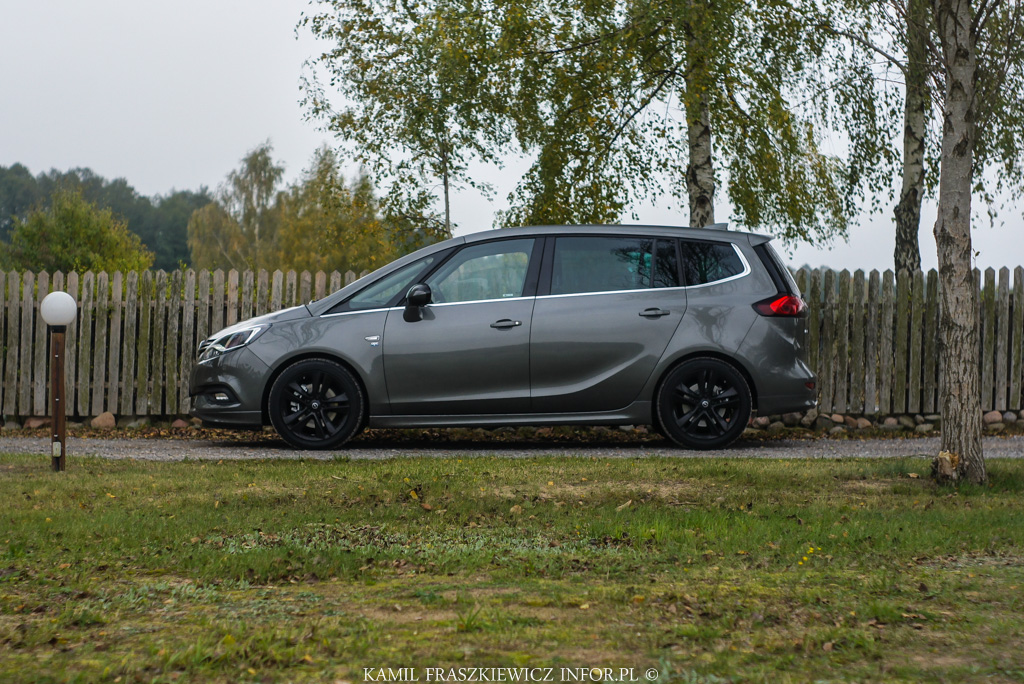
[{"x": 468, "y": 352}]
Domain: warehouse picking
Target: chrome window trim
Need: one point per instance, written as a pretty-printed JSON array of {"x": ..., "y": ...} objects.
[
  {"x": 607, "y": 292},
  {"x": 478, "y": 301}
]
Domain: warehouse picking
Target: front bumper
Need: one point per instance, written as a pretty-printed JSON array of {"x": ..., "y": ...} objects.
[{"x": 228, "y": 391}]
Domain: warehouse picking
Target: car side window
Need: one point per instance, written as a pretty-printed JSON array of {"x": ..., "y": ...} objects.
[
  {"x": 378, "y": 294},
  {"x": 493, "y": 270},
  {"x": 708, "y": 262},
  {"x": 600, "y": 264}
]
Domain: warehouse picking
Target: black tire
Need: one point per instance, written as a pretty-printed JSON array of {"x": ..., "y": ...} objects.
[
  {"x": 316, "y": 404},
  {"x": 704, "y": 403}
]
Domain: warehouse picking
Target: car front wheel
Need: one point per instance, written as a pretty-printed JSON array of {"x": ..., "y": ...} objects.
[
  {"x": 316, "y": 404},
  {"x": 704, "y": 403}
]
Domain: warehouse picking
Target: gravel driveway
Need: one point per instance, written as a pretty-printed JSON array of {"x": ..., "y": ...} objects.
[{"x": 181, "y": 449}]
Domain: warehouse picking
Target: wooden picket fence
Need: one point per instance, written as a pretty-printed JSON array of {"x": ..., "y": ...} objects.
[
  {"x": 873, "y": 337},
  {"x": 132, "y": 346}
]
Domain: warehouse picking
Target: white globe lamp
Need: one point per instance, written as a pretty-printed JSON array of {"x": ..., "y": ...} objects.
[{"x": 57, "y": 310}]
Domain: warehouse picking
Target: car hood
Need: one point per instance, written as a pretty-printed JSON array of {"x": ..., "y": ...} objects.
[{"x": 291, "y": 314}]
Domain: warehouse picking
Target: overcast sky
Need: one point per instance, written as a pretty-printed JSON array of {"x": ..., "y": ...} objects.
[{"x": 172, "y": 95}]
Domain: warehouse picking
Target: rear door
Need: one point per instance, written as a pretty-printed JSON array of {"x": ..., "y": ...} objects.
[
  {"x": 608, "y": 307},
  {"x": 468, "y": 352}
]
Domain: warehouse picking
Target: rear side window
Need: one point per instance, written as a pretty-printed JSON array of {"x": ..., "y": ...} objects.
[
  {"x": 601, "y": 264},
  {"x": 709, "y": 262}
]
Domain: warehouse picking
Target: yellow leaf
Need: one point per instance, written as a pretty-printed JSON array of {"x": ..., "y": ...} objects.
[
  {"x": 111, "y": 495},
  {"x": 412, "y": 493}
]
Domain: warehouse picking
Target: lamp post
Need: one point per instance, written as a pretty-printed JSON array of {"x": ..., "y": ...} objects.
[{"x": 58, "y": 309}]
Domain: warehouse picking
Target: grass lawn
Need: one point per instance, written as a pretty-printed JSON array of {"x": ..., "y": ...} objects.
[{"x": 706, "y": 570}]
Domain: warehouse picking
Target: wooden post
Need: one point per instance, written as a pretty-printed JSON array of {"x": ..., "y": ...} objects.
[{"x": 58, "y": 447}]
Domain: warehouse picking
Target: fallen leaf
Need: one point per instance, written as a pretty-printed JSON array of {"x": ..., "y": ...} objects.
[
  {"x": 625, "y": 505},
  {"x": 913, "y": 475}
]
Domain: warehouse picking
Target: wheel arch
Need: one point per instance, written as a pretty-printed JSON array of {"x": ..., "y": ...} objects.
[
  {"x": 703, "y": 354},
  {"x": 305, "y": 356}
]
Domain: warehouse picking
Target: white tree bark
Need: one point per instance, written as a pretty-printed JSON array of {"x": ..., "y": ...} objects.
[{"x": 958, "y": 338}]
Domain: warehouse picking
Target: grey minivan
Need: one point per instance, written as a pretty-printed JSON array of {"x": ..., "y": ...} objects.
[{"x": 689, "y": 330}]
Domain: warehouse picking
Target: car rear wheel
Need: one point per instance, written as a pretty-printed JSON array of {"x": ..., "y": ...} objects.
[
  {"x": 703, "y": 403},
  {"x": 316, "y": 404}
]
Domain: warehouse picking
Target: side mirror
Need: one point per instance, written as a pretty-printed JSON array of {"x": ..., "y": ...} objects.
[{"x": 418, "y": 295}]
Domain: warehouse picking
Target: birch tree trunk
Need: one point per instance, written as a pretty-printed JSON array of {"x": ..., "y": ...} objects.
[
  {"x": 958, "y": 338},
  {"x": 908, "y": 210},
  {"x": 700, "y": 172}
]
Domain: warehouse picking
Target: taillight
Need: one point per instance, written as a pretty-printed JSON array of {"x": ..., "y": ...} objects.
[{"x": 786, "y": 305}]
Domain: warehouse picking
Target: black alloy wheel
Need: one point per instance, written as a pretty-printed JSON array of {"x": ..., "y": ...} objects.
[
  {"x": 704, "y": 403},
  {"x": 316, "y": 404}
]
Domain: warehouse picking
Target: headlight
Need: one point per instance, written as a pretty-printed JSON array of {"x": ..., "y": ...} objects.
[{"x": 216, "y": 346}]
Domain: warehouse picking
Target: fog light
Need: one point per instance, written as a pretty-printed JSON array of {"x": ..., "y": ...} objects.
[{"x": 221, "y": 396}]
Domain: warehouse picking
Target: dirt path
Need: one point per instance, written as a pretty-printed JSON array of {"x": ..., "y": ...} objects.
[{"x": 182, "y": 449}]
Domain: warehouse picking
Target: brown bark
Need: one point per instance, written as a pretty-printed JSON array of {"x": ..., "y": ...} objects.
[
  {"x": 908, "y": 210},
  {"x": 958, "y": 338}
]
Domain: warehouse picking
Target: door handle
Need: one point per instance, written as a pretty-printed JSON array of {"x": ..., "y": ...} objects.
[
  {"x": 505, "y": 324},
  {"x": 654, "y": 313}
]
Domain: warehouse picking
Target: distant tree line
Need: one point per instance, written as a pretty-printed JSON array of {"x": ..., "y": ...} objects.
[
  {"x": 159, "y": 222},
  {"x": 79, "y": 220}
]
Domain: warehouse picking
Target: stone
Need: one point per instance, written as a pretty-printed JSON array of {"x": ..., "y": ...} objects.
[
  {"x": 104, "y": 421},
  {"x": 837, "y": 430},
  {"x": 139, "y": 423},
  {"x": 791, "y": 419},
  {"x": 863, "y": 423},
  {"x": 809, "y": 418},
  {"x": 37, "y": 422},
  {"x": 850, "y": 421},
  {"x": 906, "y": 422},
  {"x": 1009, "y": 417},
  {"x": 924, "y": 428},
  {"x": 180, "y": 423},
  {"x": 891, "y": 424},
  {"x": 933, "y": 418},
  {"x": 823, "y": 423},
  {"x": 774, "y": 417},
  {"x": 761, "y": 422},
  {"x": 919, "y": 419},
  {"x": 777, "y": 426},
  {"x": 995, "y": 428},
  {"x": 992, "y": 417},
  {"x": 837, "y": 418},
  {"x": 11, "y": 424},
  {"x": 750, "y": 433}
]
